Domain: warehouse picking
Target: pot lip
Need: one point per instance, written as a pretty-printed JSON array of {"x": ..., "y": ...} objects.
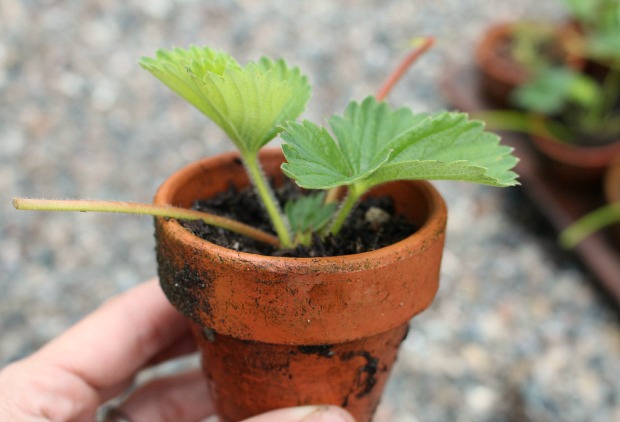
[
  {"x": 492, "y": 64},
  {"x": 576, "y": 155},
  {"x": 432, "y": 227},
  {"x": 507, "y": 71}
]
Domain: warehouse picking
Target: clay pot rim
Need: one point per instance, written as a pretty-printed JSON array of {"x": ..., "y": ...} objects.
[
  {"x": 505, "y": 70},
  {"x": 577, "y": 155},
  {"x": 491, "y": 63},
  {"x": 297, "y": 300},
  {"x": 433, "y": 225}
]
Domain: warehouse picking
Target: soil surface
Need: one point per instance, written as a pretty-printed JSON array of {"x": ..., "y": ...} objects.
[{"x": 361, "y": 233}]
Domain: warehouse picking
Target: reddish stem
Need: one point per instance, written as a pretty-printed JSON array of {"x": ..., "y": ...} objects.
[
  {"x": 334, "y": 193},
  {"x": 426, "y": 44}
]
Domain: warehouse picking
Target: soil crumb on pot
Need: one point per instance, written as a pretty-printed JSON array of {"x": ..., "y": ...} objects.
[{"x": 361, "y": 233}]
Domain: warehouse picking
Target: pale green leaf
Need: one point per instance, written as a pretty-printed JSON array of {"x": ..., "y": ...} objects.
[
  {"x": 361, "y": 144},
  {"x": 249, "y": 103},
  {"x": 584, "y": 11},
  {"x": 449, "y": 146},
  {"x": 181, "y": 70},
  {"x": 309, "y": 212},
  {"x": 605, "y": 46},
  {"x": 554, "y": 89},
  {"x": 374, "y": 144},
  {"x": 313, "y": 158},
  {"x": 366, "y": 131}
]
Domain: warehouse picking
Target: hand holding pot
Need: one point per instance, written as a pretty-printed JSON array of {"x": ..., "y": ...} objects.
[{"x": 97, "y": 359}]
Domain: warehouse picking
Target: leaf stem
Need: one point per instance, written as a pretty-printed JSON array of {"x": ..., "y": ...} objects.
[
  {"x": 517, "y": 121},
  {"x": 145, "y": 209},
  {"x": 420, "y": 48},
  {"x": 589, "y": 223},
  {"x": 266, "y": 194},
  {"x": 353, "y": 195}
]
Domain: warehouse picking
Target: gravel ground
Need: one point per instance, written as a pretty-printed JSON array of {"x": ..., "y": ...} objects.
[{"x": 517, "y": 333}]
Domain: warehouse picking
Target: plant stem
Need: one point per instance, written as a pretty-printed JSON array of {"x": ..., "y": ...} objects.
[
  {"x": 354, "y": 194},
  {"x": 145, "y": 209},
  {"x": 590, "y": 223},
  {"x": 422, "y": 45},
  {"x": 266, "y": 194},
  {"x": 517, "y": 121}
]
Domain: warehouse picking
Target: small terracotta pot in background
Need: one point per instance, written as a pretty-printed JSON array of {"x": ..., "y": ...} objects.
[
  {"x": 499, "y": 73},
  {"x": 576, "y": 166},
  {"x": 278, "y": 332}
]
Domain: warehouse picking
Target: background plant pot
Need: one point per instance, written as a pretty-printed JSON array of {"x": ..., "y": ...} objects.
[
  {"x": 499, "y": 73},
  {"x": 578, "y": 166},
  {"x": 280, "y": 332}
]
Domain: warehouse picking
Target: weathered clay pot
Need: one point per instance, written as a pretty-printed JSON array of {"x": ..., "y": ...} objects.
[
  {"x": 277, "y": 332},
  {"x": 499, "y": 73},
  {"x": 577, "y": 166}
]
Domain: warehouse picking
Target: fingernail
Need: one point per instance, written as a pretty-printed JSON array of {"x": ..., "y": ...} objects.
[{"x": 327, "y": 414}]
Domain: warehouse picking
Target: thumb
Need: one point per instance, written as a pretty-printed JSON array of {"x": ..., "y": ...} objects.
[{"x": 305, "y": 414}]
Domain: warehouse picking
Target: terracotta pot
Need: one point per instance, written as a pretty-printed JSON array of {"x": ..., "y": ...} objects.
[
  {"x": 578, "y": 166},
  {"x": 499, "y": 73},
  {"x": 277, "y": 332}
]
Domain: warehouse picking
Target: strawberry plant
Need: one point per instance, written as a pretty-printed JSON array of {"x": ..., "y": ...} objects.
[{"x": 369, "y": 144}]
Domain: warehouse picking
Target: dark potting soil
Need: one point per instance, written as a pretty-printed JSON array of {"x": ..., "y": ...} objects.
[{"x": 359, "y": 234}]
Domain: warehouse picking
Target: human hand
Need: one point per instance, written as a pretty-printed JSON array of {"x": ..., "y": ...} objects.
[{"x": 98, "y": 358}]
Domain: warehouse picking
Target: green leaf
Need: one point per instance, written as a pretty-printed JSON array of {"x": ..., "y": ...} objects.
[
  {"x": 362, "y": 141},
  {"x": 605, "y": 46},
  {"x": 590, "y": 223},
  {"x": 374, "y": 144},
  {"x": 313, "y": 159},
  {"x": 182, "y": 69},
  {"x": 554, "y": 88},
  {"x": 249, "y": 103},
  {"x": 581, "y": 10},
  {"x": 599, "y": 23},
  {"x": 529, "y": 41},
  {"x": 449, "y": 146},
  {"x": 309, "y": 212}
]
